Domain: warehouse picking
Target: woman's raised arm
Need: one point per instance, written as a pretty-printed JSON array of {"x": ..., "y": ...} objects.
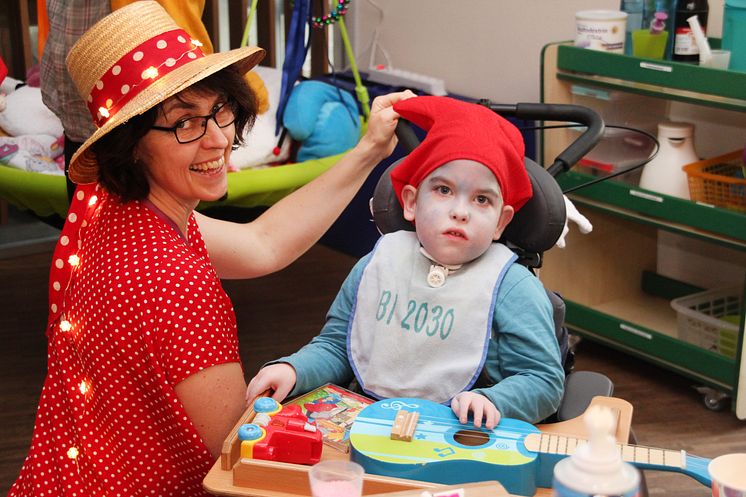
[{"x": 291, "y": 226}]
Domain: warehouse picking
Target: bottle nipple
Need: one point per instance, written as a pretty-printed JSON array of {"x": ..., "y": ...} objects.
[
  {"x": 600, "y": 424},
  {"x": 599, "y": 454},
  {"x": 659, "y": 23}
]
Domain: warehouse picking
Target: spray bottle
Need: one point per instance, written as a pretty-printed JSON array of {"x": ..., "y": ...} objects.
[{"x": 596, "y": 467}]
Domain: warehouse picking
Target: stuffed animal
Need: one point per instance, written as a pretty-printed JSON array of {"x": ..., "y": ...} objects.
[
  {"x": 26, "y": 114},
  {"x": 323, "y": 118}
]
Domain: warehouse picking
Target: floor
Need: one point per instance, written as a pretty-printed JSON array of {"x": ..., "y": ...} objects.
[{"x": 279, "y": 313}]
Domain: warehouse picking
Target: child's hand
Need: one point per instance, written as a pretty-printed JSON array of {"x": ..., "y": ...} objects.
[
  {"x": 279, "y": 377},
  {"x": 479, "y": 405}
]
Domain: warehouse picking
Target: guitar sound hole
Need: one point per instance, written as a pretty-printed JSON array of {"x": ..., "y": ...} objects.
[{"x": 471, "y": 438}]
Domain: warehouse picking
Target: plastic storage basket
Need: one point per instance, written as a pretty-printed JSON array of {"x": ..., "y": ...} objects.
[
  {"x": 719, "y": 181},
  {"x": 711, "y": 319}
]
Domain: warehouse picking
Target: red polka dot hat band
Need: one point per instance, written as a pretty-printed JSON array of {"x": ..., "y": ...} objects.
[
  {"x": 132, "y": 60},
  {"x": 138, "y": 69}
]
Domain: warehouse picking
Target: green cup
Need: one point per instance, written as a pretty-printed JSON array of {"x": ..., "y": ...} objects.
[{"x": 649, "y": 45}]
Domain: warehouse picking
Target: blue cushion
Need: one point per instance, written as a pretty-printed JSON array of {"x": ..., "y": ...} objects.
[{"x": 323, "y": 118}]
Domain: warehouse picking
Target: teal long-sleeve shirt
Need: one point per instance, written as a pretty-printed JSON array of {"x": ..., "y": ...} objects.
[{"x": 523, "y": 358}]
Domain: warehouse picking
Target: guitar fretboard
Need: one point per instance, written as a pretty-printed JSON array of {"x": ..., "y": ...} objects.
[{"x": 547, "y": 443}]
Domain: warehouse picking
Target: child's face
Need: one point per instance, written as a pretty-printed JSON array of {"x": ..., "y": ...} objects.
[{"x": 458, "y": 211}]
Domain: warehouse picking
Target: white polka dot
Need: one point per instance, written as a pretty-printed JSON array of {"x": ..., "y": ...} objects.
[
  {"x": 56, "y": 285},
  {"x": 72, "y": 217},
  {"x": 116, "y": 70},
  {"x": 181, "y": 39},
  {"x": 161, "y": 44},
  {"x": 192, "y": 55},
  {"x": 137, "y": 56},
  {"x": 54, "y": 307},
  {"x": 170, "y": 62},
  {"x": 80, "y": 195},
  {"x": 59, "y": 263},
  {"x": 109, "y": 102},
  {"x": 99, "y": 84},
  {"x": 64, "y": 240},
  {"x": 125, "y": 89}
]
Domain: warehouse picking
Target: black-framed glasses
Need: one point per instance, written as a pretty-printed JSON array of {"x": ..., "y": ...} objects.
[{"x": 194, "y": 128}]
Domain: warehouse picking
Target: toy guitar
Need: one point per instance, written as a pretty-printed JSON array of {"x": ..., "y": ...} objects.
[{"x": 515, "y": 453}]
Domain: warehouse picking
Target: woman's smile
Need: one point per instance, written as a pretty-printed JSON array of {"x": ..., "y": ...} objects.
[{"x": 209, "y": 167}]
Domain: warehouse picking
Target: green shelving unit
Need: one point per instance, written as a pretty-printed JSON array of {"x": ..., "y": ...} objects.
[
  {"x": 665, "y": 79},
  {"x": 722, "y": 226},
  {"x": 608, "y": 277}
]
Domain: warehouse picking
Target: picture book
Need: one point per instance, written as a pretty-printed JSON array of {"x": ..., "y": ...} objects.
[{"x": 333, "y": 409}]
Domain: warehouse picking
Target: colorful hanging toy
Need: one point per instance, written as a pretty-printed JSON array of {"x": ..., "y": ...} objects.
[{"x": 332, "y": 17}]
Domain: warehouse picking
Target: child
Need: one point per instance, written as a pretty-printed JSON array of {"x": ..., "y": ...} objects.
[{"x": 436, "y": 313}]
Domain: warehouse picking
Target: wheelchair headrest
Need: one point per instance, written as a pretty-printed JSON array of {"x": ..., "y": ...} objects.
[{"x": 535, "y": 228}]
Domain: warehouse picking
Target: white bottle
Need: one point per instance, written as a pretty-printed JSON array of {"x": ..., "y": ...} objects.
[
  {"x": 664, "y": 173},
  {"x": 596, "y": 468}
]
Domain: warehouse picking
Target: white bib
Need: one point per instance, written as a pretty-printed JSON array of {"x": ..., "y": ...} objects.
[{"x": 407, "y": 338}]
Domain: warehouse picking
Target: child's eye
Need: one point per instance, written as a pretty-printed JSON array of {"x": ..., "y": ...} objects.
[
  {"x": 482, "y": 199},
  {"x": 442, "y": 189}
]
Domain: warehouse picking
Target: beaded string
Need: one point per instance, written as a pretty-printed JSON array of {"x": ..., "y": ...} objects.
[{"x": 339, "y": 10}]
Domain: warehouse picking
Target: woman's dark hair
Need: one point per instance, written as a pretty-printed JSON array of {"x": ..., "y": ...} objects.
[{"x": 126, "y": 178}]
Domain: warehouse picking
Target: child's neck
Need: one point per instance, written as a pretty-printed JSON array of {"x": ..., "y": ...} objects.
[
  {"x": 439, "y": 272},
  {"x": 450, "y": 267}
]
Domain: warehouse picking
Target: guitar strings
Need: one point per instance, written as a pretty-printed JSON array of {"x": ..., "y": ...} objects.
[{"x": 482, "y": 432}]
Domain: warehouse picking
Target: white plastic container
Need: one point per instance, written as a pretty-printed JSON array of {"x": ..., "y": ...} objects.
[
  {"x": 664, "y": 173},
  {"x": 596, "y": 467},
  {"x": 601, "y": 30}
]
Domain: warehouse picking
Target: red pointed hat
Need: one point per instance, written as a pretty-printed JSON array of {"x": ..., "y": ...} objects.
[{"x": 461, "y": 130}]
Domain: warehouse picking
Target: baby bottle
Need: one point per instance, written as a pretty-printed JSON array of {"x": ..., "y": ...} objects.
[
  {"x": 596, "y": 467},
  {"x": 664, "y": 174}
]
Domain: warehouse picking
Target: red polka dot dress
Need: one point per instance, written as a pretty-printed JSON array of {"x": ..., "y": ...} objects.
[{"x": 134, "y": 309}]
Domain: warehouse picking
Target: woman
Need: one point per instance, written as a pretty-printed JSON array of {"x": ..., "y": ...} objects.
[{"x": 144, "y": 378}]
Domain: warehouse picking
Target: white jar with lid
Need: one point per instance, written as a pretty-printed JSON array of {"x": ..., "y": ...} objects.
[
  {"x": 664, "y": 173},
  {"x": 601, "y": 30}
]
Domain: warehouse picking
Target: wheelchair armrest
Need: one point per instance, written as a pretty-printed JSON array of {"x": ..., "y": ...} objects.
[{"x": 580, "y": 388}]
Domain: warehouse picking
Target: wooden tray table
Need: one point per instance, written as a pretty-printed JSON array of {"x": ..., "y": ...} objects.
[{"x": 236, "y": 477}]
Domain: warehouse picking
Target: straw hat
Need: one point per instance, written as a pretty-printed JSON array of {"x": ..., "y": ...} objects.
[{"x": 130, "y": 61}]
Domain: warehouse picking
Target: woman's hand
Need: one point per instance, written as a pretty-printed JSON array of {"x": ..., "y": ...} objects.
[
  {"x": 280, "y": 378},
  {"x": 479, "y": 405},
  {"x": 382, "y": 122}
]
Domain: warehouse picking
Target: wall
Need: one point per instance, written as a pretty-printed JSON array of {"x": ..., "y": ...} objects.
[{"x": 481, "y": 48}]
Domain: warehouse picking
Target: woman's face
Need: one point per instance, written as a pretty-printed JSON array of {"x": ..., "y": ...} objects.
[{"x": 187, "y": 173}]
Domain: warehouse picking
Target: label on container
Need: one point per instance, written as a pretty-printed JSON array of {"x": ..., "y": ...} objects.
[
  {"x": 600, "y": 30},
  {"x": 684, "y": 42}
]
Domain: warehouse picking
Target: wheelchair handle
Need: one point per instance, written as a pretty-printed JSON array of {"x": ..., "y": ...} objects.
[
  {"x": 406, "y": 135},
  {"x": 559, "y": 112}
]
